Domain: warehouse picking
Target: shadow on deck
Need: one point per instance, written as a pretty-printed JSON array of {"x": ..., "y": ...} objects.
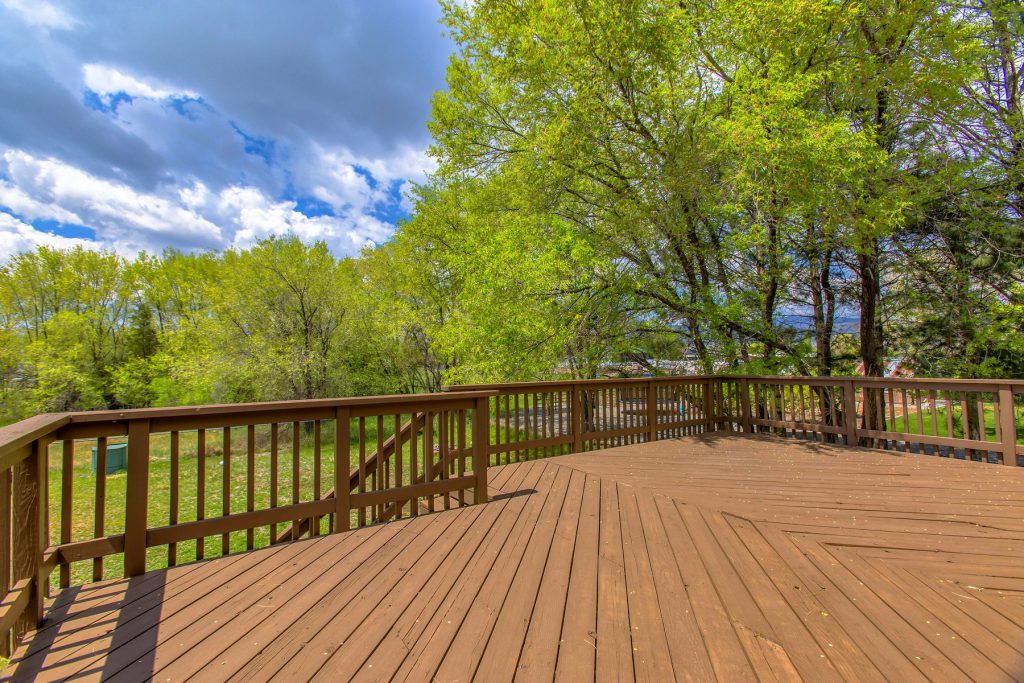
[{"x": 722, "y": 556}]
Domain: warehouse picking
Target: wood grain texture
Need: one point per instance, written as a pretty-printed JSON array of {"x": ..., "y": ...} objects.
[{"x": 735, "y": 557}]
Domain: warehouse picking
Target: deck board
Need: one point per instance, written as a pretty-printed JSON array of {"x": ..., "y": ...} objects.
[{"x": 720, "y": 556}]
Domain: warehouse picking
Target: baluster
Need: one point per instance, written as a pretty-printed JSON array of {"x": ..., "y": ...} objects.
[
  {"x": 201, "y": 489},
  {"x": 67, "y": 478},
  {"x": 274, "y": 445},
  {"x": 100, "y": 507},
  {"x": 172, "y": 514},
  {"x": 250, "y": 481},
  {"x": 5, "y": 550},
  {"x": 225, "y": 539},
  {"x": 342, "y": 465}
]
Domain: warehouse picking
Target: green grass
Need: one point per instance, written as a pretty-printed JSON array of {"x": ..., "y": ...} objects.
[{"x": 911, "y": 424}]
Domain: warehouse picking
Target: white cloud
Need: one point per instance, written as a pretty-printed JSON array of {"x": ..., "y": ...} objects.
[
  {"x": 332, "y": 176},
  {"x": 17, "y": 236},
  {"x": 288, "y": 108},
  {"x": 116, "y": 211},
  {"x": 335, "y": 181},
  {"x": 188, "y": 217},
  {"x": 30, "y": 208},
  {"x": 40, "y": 13},
  {"x": 106, "y": 80}
]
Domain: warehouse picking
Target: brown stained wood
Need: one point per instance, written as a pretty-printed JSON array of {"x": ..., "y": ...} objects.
[
  {"x": 429, "y": 462},
  {"x": 444, "y": 451},
  {"x": 479, "y": 443},
  {"x": 225, "y": 539},
  {"x": 723, "y": 556},
  {"x": 172, "y": 548},
  {"x": 383, "y": 497},
  {"x": 247, "y": 413},
  {"x": 236, "y": 522},
  {"x": 419, "y": 592},
  {"x": 651, "y": 657},
  {"x": 67, "y": 478},
  {"x": 77, "y": 551},
  {"x": 1007, "y": 425},
  {"x": 500, "y": 657},
  {"x": 16, "y": 439},
  {"x": 5, "y": 551},
  {"x": 949, "y": 414},
  {"x": 414, "y": 475},
  {"x": 100, "y": 503},
  {"x": 250, "y": 480},
  {"x": 274, "y": 446},
  {"x": 342, "y": 502},
  {"x": 361, "y": 438},
  {"x": 317, "y": 476},
  {"x": 577, "y": 646},
  {"x": 296, "y": 428},
  {"x": 28, "y": 533},
  {"x": 517, "y": 436},
  {"x": 614, "y": 636},
  {"x": 460, "y": 445},
  {"x": 136, "y": 498},
  {"x": 201, "y": 488},
  {"x": 345, "y": 602}
]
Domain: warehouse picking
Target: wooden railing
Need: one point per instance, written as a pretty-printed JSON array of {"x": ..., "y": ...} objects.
[
  {"x": 966, "y": 419},
  {"x": 212, "y": 480},
  {"x": 189, "y": 489},
  {"x": 539, "y": 419}
]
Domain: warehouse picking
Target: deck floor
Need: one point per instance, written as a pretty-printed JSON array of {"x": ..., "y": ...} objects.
[{"x": 724, "y": 557}]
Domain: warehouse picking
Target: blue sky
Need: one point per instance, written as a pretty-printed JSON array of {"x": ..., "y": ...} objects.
[{"x": 209, "y": 125}]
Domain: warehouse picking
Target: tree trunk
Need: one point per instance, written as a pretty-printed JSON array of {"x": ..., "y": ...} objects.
[{"x": 872, "y": 351}]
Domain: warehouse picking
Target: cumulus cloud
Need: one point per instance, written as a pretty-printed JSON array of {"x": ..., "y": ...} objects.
[
  {"x": 17, "y": 236},
  {"x": 188, "y": 217},
  {"x": 208, "y": 125},
  {"x": 116, "y": 210},
  {"x": 342, "y": 179}
]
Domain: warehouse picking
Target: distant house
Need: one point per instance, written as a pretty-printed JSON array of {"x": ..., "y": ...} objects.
[{"x": 894, "y": 367}]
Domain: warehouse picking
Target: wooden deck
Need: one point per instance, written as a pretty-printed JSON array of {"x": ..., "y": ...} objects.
[{"x": 723, "y": 557}]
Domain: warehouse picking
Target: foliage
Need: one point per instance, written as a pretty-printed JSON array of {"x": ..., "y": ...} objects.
[{"x": 759, "y": 185}]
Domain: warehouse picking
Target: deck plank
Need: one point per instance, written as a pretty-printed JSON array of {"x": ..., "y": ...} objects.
[
  {"x": 720, "y": 556},
  {"x": 577, "y": 645}
]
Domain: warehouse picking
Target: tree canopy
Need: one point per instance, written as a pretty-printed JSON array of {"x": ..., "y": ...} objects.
[{"x": 750, "y": 185}]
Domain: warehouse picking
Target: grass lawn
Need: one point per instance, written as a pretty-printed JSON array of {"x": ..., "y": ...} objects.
[{"x": 922, "y": 424}]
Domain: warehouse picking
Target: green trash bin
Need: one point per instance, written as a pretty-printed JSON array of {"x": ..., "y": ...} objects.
[{"x": 117, "y": 457}]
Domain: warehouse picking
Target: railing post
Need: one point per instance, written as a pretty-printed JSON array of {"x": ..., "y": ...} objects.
[
  {"x": 481, "y": 441},
  {"x": 29, "y": 532},
  {"x": 652, "y": 411},
  {"x": 1007, "y": 425},
  {"x": 577, "y": 420},
  {"x": 850, "y": 412},
  {"x": 136, "y": 498},
  {"x": 342, "y": 467},
  {"x": 708, "y": 406},
  {"x": 745, "y": 404}
]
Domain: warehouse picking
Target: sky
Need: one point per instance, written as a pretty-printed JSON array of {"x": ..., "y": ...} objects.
[{"x": 206, "y": 125}]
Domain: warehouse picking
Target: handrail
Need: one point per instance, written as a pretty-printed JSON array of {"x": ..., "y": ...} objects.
[
  {"x": 338, "y": 431},
  {"x": 445, "y": 443}
]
